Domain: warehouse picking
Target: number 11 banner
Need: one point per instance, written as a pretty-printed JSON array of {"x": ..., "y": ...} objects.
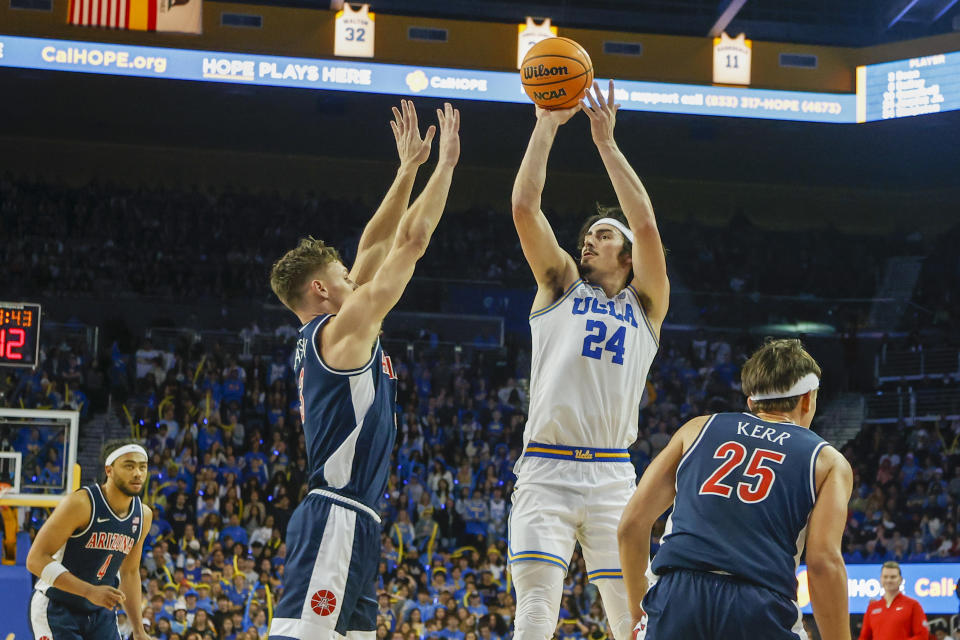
[
  {"x": 731, "y": 59},
  {"x": 354, "y": 32}
]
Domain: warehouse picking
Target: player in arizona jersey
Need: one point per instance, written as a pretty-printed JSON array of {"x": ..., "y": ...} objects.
[
  {"x": 348, "y": 392},
  {"x": 595, "y": 325},
  {"x": 87, "y": 554},
  {"x": 749, "y": 491}
]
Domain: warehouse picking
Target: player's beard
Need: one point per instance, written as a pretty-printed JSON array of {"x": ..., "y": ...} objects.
[
  {"x": 586, "y": 270},
  {"x": 125, "y": 488}
]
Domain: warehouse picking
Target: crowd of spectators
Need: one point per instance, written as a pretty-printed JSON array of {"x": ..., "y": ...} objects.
[
  {"x": 227, "y": 455},
  {"x": 906, "y": 493},
  {"x": 228, "y": 466},
  {"x": 205, "y": 244}
]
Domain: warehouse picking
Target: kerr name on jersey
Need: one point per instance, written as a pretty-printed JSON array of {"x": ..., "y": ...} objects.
[{"x": 762, "y": 432}]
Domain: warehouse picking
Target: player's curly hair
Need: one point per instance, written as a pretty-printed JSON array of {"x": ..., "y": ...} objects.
[
  {"x": 776, "y": 366},
  {"x": 290, "y": 274},
  {"x": 617, "y": 214},
  {"x": 606, "y": 212}
]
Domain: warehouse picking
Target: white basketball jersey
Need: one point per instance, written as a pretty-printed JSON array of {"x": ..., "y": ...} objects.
[
  {"x": 530, "y": 34},
  {"x": 590, "y": 358},
  {"x": 353, "y": 32}
]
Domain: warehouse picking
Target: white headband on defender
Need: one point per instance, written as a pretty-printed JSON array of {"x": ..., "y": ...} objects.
[
  {"x": 614, "y": 223},
  {"x": 125, "y": 449},
  {"x": 805, "y": 384}
]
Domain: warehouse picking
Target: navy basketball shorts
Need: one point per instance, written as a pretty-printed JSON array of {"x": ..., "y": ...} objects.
[
  {"x": 696, "y": 604},
  {"x": 51, "y": 620},
  {"x": 333, "y": 549}
]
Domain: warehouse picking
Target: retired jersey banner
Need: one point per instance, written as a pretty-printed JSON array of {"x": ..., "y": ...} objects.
[{"x": 141, "y": 15}]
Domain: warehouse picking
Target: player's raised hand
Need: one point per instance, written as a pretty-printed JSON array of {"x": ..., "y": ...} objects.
[
  {"x": 104, "y": 596},
  {"x": 602, "y": 113},
  {"x": 412, "y": 149},
  {"x": 556, "y": 117},
  {"x": 449, "y": 119}
]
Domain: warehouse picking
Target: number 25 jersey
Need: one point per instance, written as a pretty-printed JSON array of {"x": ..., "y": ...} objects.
[
  {"x": 745, "y": 490},
  {"x": 590, "y": 358}
]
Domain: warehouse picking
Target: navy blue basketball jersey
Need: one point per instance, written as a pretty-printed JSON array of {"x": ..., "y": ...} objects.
[
  {"x": 745, "y": 489},
  {"x": 95, "y": 553},
  {"x": 349, "y": 419}
]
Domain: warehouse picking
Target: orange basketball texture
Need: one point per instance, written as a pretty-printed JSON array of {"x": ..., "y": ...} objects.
[{"x": 555, "y": 73}]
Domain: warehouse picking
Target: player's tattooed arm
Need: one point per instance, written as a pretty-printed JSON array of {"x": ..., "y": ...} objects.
[
  {"x": 130, "y": 579},
  {"x": 553, "y": 268},
  {"x": 413, "y": 151},
  {"x": 71, "y": 515},
  {"x": 649, "y": 261}
]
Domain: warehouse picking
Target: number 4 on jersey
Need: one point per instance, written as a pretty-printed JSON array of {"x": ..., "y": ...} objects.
[
  {"x": 103, "y": 569},
  {"x": 763, "y": 477}
]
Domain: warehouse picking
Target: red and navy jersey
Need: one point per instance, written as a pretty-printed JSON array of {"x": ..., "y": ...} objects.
[
  {"x": 95, "y": 553},
  {"x": 349, "y": 419},
  {"x": 745, "y": 490}
]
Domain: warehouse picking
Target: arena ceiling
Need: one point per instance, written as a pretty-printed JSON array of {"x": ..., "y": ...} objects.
[{"x": 826, "y": 22}]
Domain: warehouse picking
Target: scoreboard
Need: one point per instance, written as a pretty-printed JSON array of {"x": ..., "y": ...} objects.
[
  {"x": 913, "y": 87},
  {"x": 19, "y": 334}
]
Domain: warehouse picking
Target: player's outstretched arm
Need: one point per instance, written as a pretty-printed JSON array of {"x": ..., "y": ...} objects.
[
  {"x": 826, "y": 573},
  {"x": 72, "y": 514},
  {"x": 347, "y": 340},
  {"x": 552, "y": 267},
  {"x": 130, "y": 579},
  {"x": 654, "y": 495},
  {"x": 377, "y": 237},
  {"x": 649, "y": 263}
]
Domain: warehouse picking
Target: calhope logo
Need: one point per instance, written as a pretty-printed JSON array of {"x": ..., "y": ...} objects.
[{"x": 417, "y": 81}]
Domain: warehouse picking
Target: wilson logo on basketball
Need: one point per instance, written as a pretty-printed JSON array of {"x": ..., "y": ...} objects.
[
  {"x": 543, "y": 71},
  {"x": 323, "y": 602}
]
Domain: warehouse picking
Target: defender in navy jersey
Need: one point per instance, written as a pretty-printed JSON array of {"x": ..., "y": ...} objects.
[
  {"x": 348, "y": 391},
  {"x": 749, "y": 491},
  {"x": 87, "y": 554}
]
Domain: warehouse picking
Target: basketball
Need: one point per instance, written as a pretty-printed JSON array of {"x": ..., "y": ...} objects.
[{"x": 556, "y": 72}]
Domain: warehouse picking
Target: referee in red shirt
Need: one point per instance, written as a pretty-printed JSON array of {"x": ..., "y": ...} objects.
[{"x": 894, "y": 616}]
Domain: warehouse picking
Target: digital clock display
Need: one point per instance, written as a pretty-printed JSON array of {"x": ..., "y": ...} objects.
[{"x": 19, "y": 334}]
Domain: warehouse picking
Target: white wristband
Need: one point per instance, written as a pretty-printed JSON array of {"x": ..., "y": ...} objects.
[{"x": 52, "y": 571}]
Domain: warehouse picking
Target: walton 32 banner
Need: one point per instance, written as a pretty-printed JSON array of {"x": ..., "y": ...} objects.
[{"x": 931, "y": 584}]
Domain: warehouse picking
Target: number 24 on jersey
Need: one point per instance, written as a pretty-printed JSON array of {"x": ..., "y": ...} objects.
[{"x": 596, "y": 335}]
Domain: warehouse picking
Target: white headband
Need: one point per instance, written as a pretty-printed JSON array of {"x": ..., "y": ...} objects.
[
  {"x": 125, "y": 449},
  {"x": 805, "y": 384},
  {"x": 614, "y": 223}
]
